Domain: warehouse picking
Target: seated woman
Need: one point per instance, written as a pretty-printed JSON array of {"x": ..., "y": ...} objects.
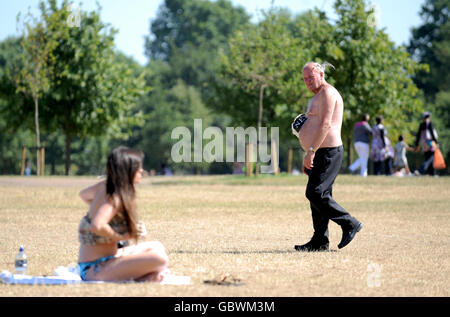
[{"x": 112, "y": 218}]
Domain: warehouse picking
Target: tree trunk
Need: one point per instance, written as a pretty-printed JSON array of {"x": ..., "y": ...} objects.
[
  {"x": 67, "y": 165},
  {"x": 38, "y": 136},
  {"x": 261, "y": 96},
  {"x": 349, "y": 149},
  {"x": 68, "y": 134}
]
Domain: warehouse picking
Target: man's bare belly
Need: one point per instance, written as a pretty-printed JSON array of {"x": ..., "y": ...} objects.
[{"x": 309, "y": 131}]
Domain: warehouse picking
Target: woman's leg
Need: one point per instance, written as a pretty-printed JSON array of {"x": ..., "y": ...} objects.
[
  {"x": 153, "y": 277},
  {"x": 133, "y": 263},
  {"x": 407, "y": 170},
  {"x": 388, "y": 166},
  {"x": 364, "y": 157},
  {"x": 377, "y": 167},
  {"x": 425, "y": 166},
  {"x": 356, "y": 164}
]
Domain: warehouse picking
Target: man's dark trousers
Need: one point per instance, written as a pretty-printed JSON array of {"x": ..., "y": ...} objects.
[{"x": 326, "y": 165}]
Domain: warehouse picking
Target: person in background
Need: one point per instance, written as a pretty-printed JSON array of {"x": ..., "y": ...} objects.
[
  {"x": 400, "y": 160},
  {"x": 361, "y": 139},
  {"x": 426, "y": 139},
  {"x": 382, "y": 151},
  {"x": 165, "y": 170},
  {"x": 388, "y": 162},
  {"x": 28, "y": 168}
]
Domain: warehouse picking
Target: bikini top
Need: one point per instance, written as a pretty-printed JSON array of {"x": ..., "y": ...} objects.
[{"x": 86, "y": 237}]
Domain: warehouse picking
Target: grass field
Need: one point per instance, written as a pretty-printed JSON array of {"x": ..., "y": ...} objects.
[{"x": 246, "y": 227}]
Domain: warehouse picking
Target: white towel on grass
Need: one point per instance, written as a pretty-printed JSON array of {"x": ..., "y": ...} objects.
[
  {"x": 171, "y": 279},
  {"x": 63, "y": 275},
  {"x": 71, "y": 275}
]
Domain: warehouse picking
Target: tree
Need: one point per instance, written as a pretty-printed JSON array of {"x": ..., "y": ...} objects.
[
  {"x": 261, "y": 76},
  {"x": 33, "y": 78},
  {"x": 164, "y": 110},
  {"x": 183, "y": 47},
  {"x": 373, "y": 75},
  {"x": 260, "y": 62},
  {"x": 11, "y": 143},
  {"x": 14, "y": 129},
  {"x": 15, "y": 106},
  {"x": 92, "y": 94},
  {"x": 181, "y": 23},
  {"x": 430, "y": 44},
  {"x": 189, "y": 34}
]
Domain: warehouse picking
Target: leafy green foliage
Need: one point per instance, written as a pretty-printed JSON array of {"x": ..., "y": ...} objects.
[
  {"x": 181, "y": 23},
  {"x": 272, "y": 53},
  {"x": 16, "y": 109},
  {"x": 165, "y": 109},
  {"x": 372, "y": 74},
  {"x": 430, "y": 44},
  {"x": 184, "y": 45},
  {"x": 36, "y": 71},
  {"x": 208, "y": 61}
]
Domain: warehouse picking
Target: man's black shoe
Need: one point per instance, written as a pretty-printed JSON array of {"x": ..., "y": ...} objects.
[
  {"x": 312, "y": 246},
  {"x": 348, "y": 235}
]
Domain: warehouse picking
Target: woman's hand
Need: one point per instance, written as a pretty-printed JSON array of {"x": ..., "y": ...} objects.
[{"x": 142, "y": 231}]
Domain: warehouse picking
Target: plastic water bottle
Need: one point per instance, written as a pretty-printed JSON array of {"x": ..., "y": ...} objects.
[{"x": 21, "y": 261}]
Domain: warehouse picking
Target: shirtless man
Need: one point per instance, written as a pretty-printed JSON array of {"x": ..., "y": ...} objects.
[{"x": 320, "y": 137}]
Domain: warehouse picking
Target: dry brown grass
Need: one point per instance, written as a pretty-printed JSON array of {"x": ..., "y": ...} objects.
[{"x": 245, "y": 227}]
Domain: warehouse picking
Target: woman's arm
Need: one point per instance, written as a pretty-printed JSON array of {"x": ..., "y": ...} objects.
[
  {"x": 408, "y": 148},
  {"x": 88, "y": 194},
  {"x": 100, "y": 223}
]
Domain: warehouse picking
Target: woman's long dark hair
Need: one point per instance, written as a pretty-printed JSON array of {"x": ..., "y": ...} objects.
[{"x": 121, "y": 167}]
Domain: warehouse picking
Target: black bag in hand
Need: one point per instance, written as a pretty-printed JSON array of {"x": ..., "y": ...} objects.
[{"x": 299, "y": 121}]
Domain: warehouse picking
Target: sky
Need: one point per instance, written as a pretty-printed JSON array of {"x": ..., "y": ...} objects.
[{"x": 132, "y": 17}]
